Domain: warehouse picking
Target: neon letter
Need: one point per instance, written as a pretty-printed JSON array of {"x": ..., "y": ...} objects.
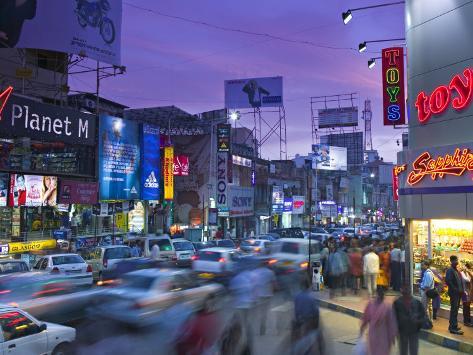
[
  {"x": 394, "y": 113},
  {"x": 392, "y": 76},
  {"x": 392, "y": 54},
  {"x": 439, "y": 99},
  {"x": 393, "y": 91},
  {"x": 423, "y": 107},
  {"x": 464, "y": 90}
]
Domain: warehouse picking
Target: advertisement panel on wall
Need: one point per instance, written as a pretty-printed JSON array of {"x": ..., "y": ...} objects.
[
  {"x": 327, "y": 157},
  {"x": 78, "y": 192},
  {"x": 168, "y": 173},
  {"x": 150, "y": 162},
  {"x": 119, "y": 159},
  {"x": 4, "y": 178},
  {"x": 241, "y": 201},
  {"x": 394, "y": 109},
  {"x": 87, "y": 28},
  {"x": 181, "y": 165},
  {"x": 23, "y": 117},
  {"x": 287, "y": 205},
  {"x": 338, "y": 117},
  {"x": 298, "y": 204},
  {"x": 278, "y": 195},
  {"x": 254, "y": 92},
  {"x": 222, "y": 184},
  {"x": 223, "y": 137},
  {"x": 32, "y": 190}
]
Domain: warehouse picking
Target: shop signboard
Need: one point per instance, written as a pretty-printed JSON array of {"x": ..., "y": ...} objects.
[
  {"x": 394, "y": 108},
  {"x": 22, "y": 247},
  {"x": 181, "y": 165},
  {"x": 3, "y": 189},
  {"x": 241, "y": 200},
  {"x": 86, "y": 28},
  {"x": 22, "y": 117},
  {"x": 338, "y": 117},
  {"x": 298, "y": 204},
  {"x": 213, "y": 215},
  {"x": 238, "y": 160},
  {"x": 398, "y": 169},
  {"x": 72, "y": 191},
  {"x": 3, "y": 249},
  {"x": 287, "y": 207},
  {"x": 277, "y": 208},
  {"x": 32, "y": 190},
  {"x": 327, "y": 157},
  {"x": 168, "y": 173},
  {"x": 254, "y": 92},
  {"x": 223, "y": 137},
  {"x": 119, "y": 159},
  {"x": 87, "y": 242},
  {"x": 278, "y": 195},
  {"x": 222, "y": 184},
  {"x": 150, "y": 162}
]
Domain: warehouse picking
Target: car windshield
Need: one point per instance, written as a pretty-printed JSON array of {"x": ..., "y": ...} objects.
[
  {"x": 163, "y": 244},
  {"x": 180, "y": 246},
  {"x": 138, "y": 281},
  {"x": 9, "y": 267},
  {"x": 117, "y": 253},
  {"x": 226, "y": 243},
  {"x": 67, "y": 259},
  {"x": 248, "y": 243},
  {"x": 289, "y": 247},
  {"x": 210, "y": 256}
]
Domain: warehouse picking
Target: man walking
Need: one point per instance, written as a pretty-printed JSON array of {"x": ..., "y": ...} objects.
[
  {"x": 396, "y": 268},
  {"x": 410, "y": 315},
  {"x": 455, "y": 292},
  {"x": 371, "y": 270},
  {"x": 427, "y": 283}
]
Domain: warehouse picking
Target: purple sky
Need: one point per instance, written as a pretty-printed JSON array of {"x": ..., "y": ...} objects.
[{"x": 170, "y": 62}]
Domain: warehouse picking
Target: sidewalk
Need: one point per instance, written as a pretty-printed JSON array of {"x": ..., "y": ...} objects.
[{"x": 439, "y": 334}]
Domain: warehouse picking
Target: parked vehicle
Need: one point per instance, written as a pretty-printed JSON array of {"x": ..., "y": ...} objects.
[
  {"x": 77, "y": 271},
  {"x": 144, "y": 296},
  {"x": 184, "y": 251},
  {"x": 104, "y": 259},
  {"x": 9, "y": 266},
  {"x": 24, "y": 334}
]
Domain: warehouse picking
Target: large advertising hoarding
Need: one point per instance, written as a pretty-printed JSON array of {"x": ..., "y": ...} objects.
[
  {"x": 168, "y": 173},
  {"x": 327, "y": 157},
  {"x": 150, "y": 162},
  {"x": 3, "y": 189},
  {"x": 72, "y": 191},
  {"x": 88, "y": 28},
  {"x": 119, "y": 159},
  {"x": 338, "y": 117},
  {"x": 241, "y": 201},
  {"x": 32, "y": 190},
  {"x": 253, "y": 92},
  {"x": 22, "y": 117},
  {"x": 394, "y": 109}
]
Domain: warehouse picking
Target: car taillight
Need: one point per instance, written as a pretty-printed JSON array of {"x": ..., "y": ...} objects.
[
  {"x": 304, "y": 265},
  {"x": 105, "y": 263},
  {"x": 194, "y": 257},
  {"x": 174, "y": 257},
  {"x": 89, "y": 268},
  {"x": 221, "y": 260},
  {"x": 258, "y": 249},
  {"x": 55, "y": 270},
  {"x": 272, "y": 261}
]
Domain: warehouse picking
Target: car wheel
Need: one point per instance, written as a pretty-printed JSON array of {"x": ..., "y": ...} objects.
[{"x": 62, "y": 349}]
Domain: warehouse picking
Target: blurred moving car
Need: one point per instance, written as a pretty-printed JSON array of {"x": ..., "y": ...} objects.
[
  {"x": 146, "y": 243},
  {"x": 70, "y": 265},
  {"x": 184, "y": 251},
  {"x": 270, "y": 237},
  {"x": 9, "y": 266},
  {"x": 112, "y": 276},
  {"x": 293, "y": 254},
  {"x": 145, "y": 294},
  {"x": 255, "y": 246},
  {"x": 24, "y": 334},
  {"x": 225, "y": 243},
  {"x": 215, "y": 263},
  {"x": 104, "y": 259},
  {"x": 204, "y": 245}
]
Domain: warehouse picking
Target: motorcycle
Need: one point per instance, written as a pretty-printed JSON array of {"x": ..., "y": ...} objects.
[{"x": 93, "y": 13}]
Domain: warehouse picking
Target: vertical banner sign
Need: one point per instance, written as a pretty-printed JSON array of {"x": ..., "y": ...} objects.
[
  {"x": 394, "y": 111},
  {"x": 222, "y": 184},
  {"x": 395, "y": 185},
  {"x": 168, "y": 172},
  {"x": 150, "y": 163},
  {"x": 223, "y": 137}
]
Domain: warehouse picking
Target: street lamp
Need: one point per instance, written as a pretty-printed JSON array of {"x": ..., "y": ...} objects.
[
  {"x": 235, "y": 115},
  {"x": 372, "y": 175},
  {"x": 362, "y": 46},
  {"x": 371, "y": 63},
  {"x": 347, "y": 15}
]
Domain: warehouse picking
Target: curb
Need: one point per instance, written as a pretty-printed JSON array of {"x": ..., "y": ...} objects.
[{"x": 429, "y": 336}]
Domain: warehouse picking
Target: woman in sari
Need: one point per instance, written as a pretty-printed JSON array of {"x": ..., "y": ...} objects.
[
  {"x": 381, "y": 322},
  {"x": 385, "y": 266}
]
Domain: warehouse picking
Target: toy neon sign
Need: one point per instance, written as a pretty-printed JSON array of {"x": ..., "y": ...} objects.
[
  {"x": 438, "y": 101},
  {"x": 4, "y": 98},
  {"x": 455, "y": 164},
  {"x": 393, "y": 86}
]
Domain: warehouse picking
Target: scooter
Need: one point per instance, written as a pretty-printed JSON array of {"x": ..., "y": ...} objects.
[{"x": 93, "y": 13}]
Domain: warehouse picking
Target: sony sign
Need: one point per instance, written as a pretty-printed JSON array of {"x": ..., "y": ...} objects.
[
  {"x": 222, "y": 183},
  {"x": 22, "y": 117}
]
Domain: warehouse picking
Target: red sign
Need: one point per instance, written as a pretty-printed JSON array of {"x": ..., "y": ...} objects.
[
  {"x": 394, "y": 111},
  {"x": 4, "y": 98},
  {"x": 461, "y": 86},
  {"x": 449, "y": 164},
  {"x": 181, "y": 165},
  {"x": 78, "y": 192}
]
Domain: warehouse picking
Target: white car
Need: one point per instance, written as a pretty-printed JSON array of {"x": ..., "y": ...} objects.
[
  {"x": 184, "y": 251},
  {"x": 73, "y": 266},
  {"x": 215, "y": 261},
  {"x": 23, "y": 334},
  {"x": 103, "y": 259},
  {"x": 293, "y": 253}
]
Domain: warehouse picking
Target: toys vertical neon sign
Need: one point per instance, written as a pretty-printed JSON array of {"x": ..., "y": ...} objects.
[{"x": 394, "y": 112}]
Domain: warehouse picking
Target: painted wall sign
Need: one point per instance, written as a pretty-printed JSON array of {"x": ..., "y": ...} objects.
[
  {"x": 222, "y": 183},
  {"x": 21, "y": 117},
  {"x": 168, "y": 173},
  {"x": 394, "y": 111},
  {"x": 458, "y": 93}
]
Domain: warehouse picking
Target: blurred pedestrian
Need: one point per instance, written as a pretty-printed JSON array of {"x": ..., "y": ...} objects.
[
  {"x": 403, "y": 264},
  {"x": 356, "y": 266},
  {"x": 427, "y": 283},
  {"x": 371, "y": 271},
  {"x": 410, "y": 316},
  {"x": 265, "y": 281},
  {"x": 381, "y": 322},
  {"x": 75, "y": 224},
  {"x": 219, "y": 233},
  {"x": 155, "y": 252},
  {"x": 396, "y": 268},
  {"x": 438, "y": 281},
  {"x": 455, "y": 290},
  {"x": 336, "y": 270},
  {"x": 385, "y": 268},
  {"x": 467, "y": 294},
  {"x": 135, "y": 251}
]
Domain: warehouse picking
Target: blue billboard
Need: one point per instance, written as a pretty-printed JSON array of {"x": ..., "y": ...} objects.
[
  {"x": 150, "y": 163},
  {"x": 119, "y": 159}
]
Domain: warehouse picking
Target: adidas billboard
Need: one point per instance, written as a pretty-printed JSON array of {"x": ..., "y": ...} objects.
[{"x": 151, "y": 181}]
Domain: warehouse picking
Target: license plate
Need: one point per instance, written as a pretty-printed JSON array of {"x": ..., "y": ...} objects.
[
  {"x": 73, "y": 271},
  {"x": 287, "y": 263},
  {"x": 206, "y": 275},
  {"x": 185, "y": 257}
]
